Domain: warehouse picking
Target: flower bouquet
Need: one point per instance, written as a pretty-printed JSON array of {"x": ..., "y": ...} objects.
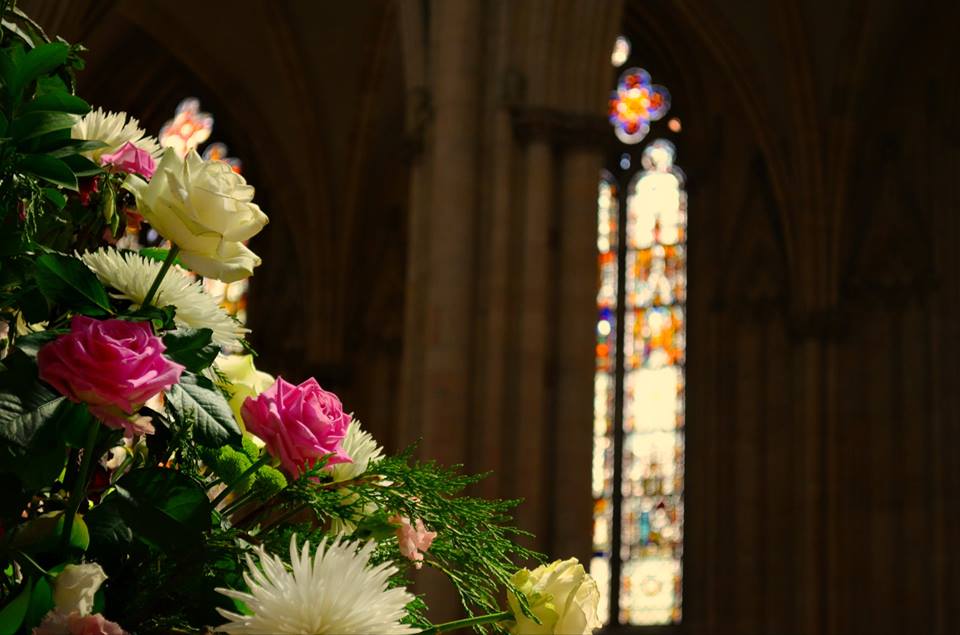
[{"x": 151, "y": 483}]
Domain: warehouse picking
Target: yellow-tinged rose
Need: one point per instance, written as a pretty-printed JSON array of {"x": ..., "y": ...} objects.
[
  {"x": 563, "y": 597},
  {"x": 245, "y": 380},
  {"x": 75, "y": 587},
  {"x": 204, "y": 208}
]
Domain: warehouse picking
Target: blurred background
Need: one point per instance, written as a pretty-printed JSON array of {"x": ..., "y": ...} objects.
[{"x": 478, "y": 238}]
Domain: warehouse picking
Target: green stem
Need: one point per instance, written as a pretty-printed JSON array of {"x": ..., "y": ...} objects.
[
  {"x": 468, "y": 622},
  {"x": 238, "y": 502},
  {"x": 285, "y": 517},
  {"x": 250, "y": 470},
  {"x": 33, "y": 563},
  {"x": 171, "y": 256},
  {"x": 80, "y": 485}
]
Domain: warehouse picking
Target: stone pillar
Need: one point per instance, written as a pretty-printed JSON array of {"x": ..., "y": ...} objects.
[
  {"x": 447, "y": 376},
  {"x": 502, "y": 273},
  {"x": 570, "y": 517}
]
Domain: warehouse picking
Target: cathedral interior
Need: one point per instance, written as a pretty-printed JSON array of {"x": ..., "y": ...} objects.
[{"x": 431, "y": 171}]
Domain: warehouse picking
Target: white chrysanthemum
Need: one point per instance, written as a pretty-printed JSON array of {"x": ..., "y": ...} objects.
[
  {"x": 131, "y": 275},
  {"x": 362, "y": 449},
  {"x": 114, "y": 129},
  {"x": 336, "y": 591}
]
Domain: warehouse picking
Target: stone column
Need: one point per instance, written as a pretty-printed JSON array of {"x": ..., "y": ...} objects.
[
  {"x": 570, "y": 515},
  {"x": 447, "y": 373}
]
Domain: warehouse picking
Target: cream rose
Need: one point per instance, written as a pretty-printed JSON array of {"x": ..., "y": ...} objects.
[
  {"x": 563, "y": 597},
  {"x": 245, "y": 380},
  {"x": 75, "y": 586},
  {"x": 205, "y": 209}
]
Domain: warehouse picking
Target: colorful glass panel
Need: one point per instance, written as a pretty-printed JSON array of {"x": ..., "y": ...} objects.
[
  {"x": 635, "y": 103},
  {"x": 621, "y": 51},
  {"x": 605, "y": 385},
  {"x": 188, "y": 129},
  {"x": 219, "y": 152},
  {"x": 654, "y": 350}
]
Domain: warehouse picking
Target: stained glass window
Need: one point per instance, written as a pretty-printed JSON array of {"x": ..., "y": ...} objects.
[
  {"x": 605, "y": 385},
  {"x": 653, "y": 391},
  {"x": 635, "y": 103},
  {"x": 638, "y": 458},
  {"x": 188, "y": 129},
  {"x": 621, "y": 51}
]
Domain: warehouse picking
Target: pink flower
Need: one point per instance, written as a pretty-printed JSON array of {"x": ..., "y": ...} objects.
[
  {"x": 131, "y": 159},
  {"x": 113, "y": 366},
  {"x": 56, "y": 623},
  {"x": 413, "y": 539},
  {"x": 299, "y": 424}
]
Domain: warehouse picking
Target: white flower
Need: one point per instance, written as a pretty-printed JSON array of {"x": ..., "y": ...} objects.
[
  {"x": 336, "y": 591},
  {"x": 563, "y": 597},
  {"x": 204, "y": 208},
  {"x": 131, "y": 275},
  {"x": 114, "y": 129},
  {"x": 361, "y": 447},
  {"x": 75, "y": 586},
  {"x": 363, "y": 450}
]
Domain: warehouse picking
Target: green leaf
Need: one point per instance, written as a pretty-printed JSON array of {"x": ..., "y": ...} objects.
[
  {"x": 195, "y": 401},
  {"x": 75, "y": 146},
  {"x": 22, "y": 416},
  {"x": 55, "y": 197},
  {"x": 34, "y": 124},
  {"x": 41, "y": 603},
  {"x": 73, "y": 421},
  {"x": 164, "y": 508},
  {"x": 39, "y": 61},
  {"x": 7, "y": 67},
  {"x": 51, "y": 84},
  {"x": 82, "y": 166},
  {"x": 191, "y": 347},
  {"x": 34, "y": 422},
  {"x": 49, "y": 168},
  {"x": 32, "y": 342},
  {"x": 44, "y": 533},
  {"x": 56, "y": 143},
  {"x": 67, "y": 282},
  {"x": 11, "y": 616},
  {"x": 108, "y": 529},
  {"x": 38, "y": 468},
  {"x": 60, "y": 101}
]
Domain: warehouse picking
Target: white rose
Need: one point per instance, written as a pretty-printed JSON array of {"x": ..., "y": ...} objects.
[
  {"x": 205, "y": 209},
  {"x": 245, "y": 380},
  {"x": 563, "y": 597},
  {"x": 75, "y": 586}
]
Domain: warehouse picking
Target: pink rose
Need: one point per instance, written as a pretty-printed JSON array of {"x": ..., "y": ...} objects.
[
  {"x": 299, "y": 424},
  {"x": 413, "y": 539},
  {"x": 56, "y": 623},
  {"x": 131, "y": 159},
  {"x": 113, "y": 366}
]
